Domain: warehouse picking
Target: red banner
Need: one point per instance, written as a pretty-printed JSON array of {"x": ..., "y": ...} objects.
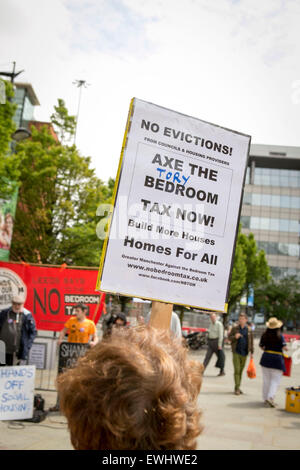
[{"x": 51, "y": 292}]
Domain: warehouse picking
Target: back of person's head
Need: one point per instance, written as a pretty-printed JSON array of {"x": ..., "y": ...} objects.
[
  {"x": 136, "y": 390},
  {"x": 120, "y": 316},
  {"x": 82, "y": 306},
  {"x": 272, "y": 335},
  {"x": 273, "y": 330}
]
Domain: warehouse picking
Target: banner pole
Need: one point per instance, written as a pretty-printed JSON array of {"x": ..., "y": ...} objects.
[
  {"x": 161, "y": 314},
  {"x": 97, "y": 307}
]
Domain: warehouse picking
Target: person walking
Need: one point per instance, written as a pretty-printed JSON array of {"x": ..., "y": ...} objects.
[
  {"x": 272, "y": 363},
  {"x": 215, "y": 343},
  {"x": 241, "y": 338},
  {"x": 17, "y": 331}
]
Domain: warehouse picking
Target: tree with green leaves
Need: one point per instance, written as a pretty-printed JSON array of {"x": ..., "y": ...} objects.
[
  {"x": 280, "y": 298},
  {"x": 250, "y": 268},
  {"x": 239, "y": 273},
  {"x": 8, "y": 160},
  {"x": 7, "y": 125},
  {"x": 58, "y": 198},
  {"x": 64, "y": 123},
  {"x": 258, "y": 271}
]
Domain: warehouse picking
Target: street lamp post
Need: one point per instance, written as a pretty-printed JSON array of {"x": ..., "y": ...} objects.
[
  {"x": 21, "y": 134},
  {"x": 12, "y": 74},
  {"x": 80, "y": 84}
]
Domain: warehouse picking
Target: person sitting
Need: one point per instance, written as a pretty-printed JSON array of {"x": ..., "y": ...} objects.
[{"x": 136, "y": 390}]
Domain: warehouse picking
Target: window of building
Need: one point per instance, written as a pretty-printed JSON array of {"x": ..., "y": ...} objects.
[
  {"x": 274, "y": 225},
  {"x": 272, "y": 200},
  {"x": 285, "y": 202},
  {"x": 294, "y": 226},
  {"x": 294, "y": 182},
  {"x": 279, "y": 273},
  {"x": 295, "y": 202},
  {"x": 277, "y": 177},
  {"x": 256, "y": 199},
  {"x": 284, "y": 225},
  {"x": 284, "y": 181},
  {"x": 28, "y": 110},
  {"x": 18, "y": 99},
  {"x": 277, "y": 248},
  {"x": 247, "y": 181},
  {"x": 255, "y": 223},
  {"x": 275, "y": 180},
  {"x": 265, "y": 223},
  {"x": 294, "y": 250},
  {"x": 283, "y": 249},
  {"x": 245, "y": 221},
  {"x": 273, "y": 248},
  {"x": 266, "y": 199},
  {"x": 247, "y": 199},
  {"x": 261, "y": 245}
]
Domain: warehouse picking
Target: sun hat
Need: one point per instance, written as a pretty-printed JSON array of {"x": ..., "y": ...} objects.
[{"x": 273, "y": 323}]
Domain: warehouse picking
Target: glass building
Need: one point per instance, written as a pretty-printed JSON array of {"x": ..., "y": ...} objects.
[
  {"x": 26, "y": 100},
  {"x": 271, "y": 206}
]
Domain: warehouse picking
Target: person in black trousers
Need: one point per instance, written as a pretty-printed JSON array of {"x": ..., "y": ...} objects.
[
  {"x": 215, "y": 343},
  {"x": 17, "y": 331}
]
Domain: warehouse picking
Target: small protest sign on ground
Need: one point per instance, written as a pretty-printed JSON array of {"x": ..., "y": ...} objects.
[
  {"x": 16, "y": 392},
  {"x": 69, "y": 353}
]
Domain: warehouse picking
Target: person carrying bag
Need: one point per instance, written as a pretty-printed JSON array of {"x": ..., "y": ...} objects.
[
  {"x": 272, "y": 361},
  {"x": 241, "y": 338},
  {"x": 251, "y": 371}
]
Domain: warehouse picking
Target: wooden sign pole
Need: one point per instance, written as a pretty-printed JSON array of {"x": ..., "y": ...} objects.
[{"x": 161, "y": 315}]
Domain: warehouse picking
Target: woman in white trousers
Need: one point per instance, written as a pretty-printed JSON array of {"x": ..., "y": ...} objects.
[{"x": 272, "y": 342}]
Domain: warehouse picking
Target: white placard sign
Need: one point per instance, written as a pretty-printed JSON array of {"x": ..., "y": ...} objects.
[
  {"x": 177, "y": 204},
  {"x": 16, "y": 392},
  {"x": 37, "y": 355}
]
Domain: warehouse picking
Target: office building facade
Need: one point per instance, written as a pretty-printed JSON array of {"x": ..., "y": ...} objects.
[
  {"x": 271, "y": 206},
  {"x": 26, "y": 100}
]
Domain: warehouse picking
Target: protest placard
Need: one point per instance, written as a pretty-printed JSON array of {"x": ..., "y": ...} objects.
[
  {"x": 178, "y": 194},
  {"x": 51, "y": 292},
  {"x": 16, "y": 392},
  {"x": 7, "y": 216},
  {"x": 69, "y": 353},
  {"x": 38, "y": 355}
]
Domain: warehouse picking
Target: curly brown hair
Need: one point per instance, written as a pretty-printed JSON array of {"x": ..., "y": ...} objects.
[{"x": 136, "y": 390}]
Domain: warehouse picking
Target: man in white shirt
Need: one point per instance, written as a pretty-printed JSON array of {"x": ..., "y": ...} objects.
[{"x": 215, "y": 343}]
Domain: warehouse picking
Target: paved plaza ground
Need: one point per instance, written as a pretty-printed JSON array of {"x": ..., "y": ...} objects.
[
  {"x": 243, "y": 422},
  {"x": 230, "y": 422}
]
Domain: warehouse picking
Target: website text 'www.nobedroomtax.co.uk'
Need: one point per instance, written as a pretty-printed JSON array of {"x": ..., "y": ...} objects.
[{"x": 166, "y": 272}]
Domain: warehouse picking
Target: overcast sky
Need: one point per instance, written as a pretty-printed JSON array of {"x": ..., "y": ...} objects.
[{"x": 231, "y": 62}]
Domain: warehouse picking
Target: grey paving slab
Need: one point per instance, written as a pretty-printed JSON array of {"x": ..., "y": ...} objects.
[
  {"x": 239, "y": 422},
  {"x": 230, "y": 422}
]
